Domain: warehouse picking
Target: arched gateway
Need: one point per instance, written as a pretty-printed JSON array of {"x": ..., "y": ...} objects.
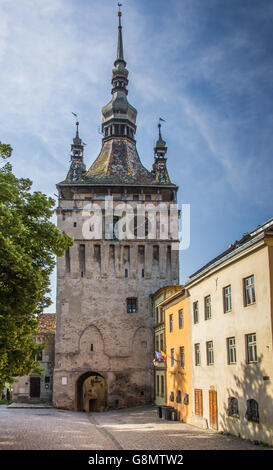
[{"x": 91, "y": 392}]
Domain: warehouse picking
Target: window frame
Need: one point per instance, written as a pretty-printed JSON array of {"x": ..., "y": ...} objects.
[
  {"x": 181, "y": 318},
  {"x": 210, "y": 353},
  {"x": 182, "y": 356},
  {"x": 231, "y": 351},
  {"x": 171, "y": 323},
  {"x": 129, "y": 302},
  {"x": 251, "y": 346},
  {"x": 195, "y": 312},
  {"x": 250, "y": 287},
  {"x": 207, "y": 308},
  {"x": 227, "y": 299},
  {"x": 172, "y": 357},
  {"x": 197, "y": 354}
]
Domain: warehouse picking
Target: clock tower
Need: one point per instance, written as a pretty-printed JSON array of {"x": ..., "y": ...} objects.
[{"x": 122, "y": 253}]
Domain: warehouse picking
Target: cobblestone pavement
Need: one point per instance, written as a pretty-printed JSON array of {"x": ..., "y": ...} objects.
[{"x": 132, "y": 429}]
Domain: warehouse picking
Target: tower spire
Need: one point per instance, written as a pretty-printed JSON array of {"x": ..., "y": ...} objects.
[{"x": 120, "y": 56}]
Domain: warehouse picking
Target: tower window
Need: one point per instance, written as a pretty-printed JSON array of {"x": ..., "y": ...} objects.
[
  {"x": 82, "y": 260},
  {"x": 75, "y": 224},
  {"x": 67, "y": 260},
  {"x": 126, "y": 272},
  {"x": 131, "y": 305}
]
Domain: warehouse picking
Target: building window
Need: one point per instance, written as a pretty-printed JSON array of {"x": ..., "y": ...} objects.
[
  {"x": 233, "y": 409},
  {"x": 162, "y": 386},
  {"x": 210, "y": 355},
  {"x": 67, "y": 261},
  {"x": 147, "y": 197},
  {"x": 75, "y": 224},
  {"x": 195, "y": 312},
  {"x": 172, "y": 396},
  {"x": 249, "y": 291},
  {"x": 182, "y": 356},
  {"x": 82, "y": 259},
  {"x": 252, "y": 411},
  {"x": 171, "y": 322},
  {"x": 197, "y": 354},
  {"x": 231, "y": 350},
  {"x": 161, "y": 342},
  {"x": 198, "y": 402},
  {"x": 181, "y": 318},
  {"x": 135, "y": 197},
  {"x": 178, "y": 396},
  {"x": 207, "y": 302},
  {"x": 126, "y": 272},
  {"x": 131, "y": 305},
  {"x": 227, "y": 299},
  {"x": 251, "y": 348},
  {"x": 172, "y": 357},
  {"x": 161, "y": 315}
]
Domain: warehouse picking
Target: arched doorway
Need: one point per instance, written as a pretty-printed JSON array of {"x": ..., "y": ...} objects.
[{"x": 91, "y": 392}]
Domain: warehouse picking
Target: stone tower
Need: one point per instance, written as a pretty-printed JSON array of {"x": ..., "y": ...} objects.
[{"x": 122, "y": 253}]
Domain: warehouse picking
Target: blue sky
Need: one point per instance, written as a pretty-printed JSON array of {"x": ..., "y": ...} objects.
[{"x": 205, "y": 66}]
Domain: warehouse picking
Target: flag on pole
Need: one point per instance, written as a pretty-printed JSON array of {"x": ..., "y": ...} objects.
[
  {"x": 159, "y": 356},
  {"x": 164, "y": 357}
]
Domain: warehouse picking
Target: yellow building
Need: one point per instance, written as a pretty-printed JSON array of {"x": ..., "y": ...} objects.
[
  {"x": 178, "y": 351},
  {"x": 159, "y": 334}
]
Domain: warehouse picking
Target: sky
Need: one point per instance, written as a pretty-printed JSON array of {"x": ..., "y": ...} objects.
[{"x": 204, "y": 66}]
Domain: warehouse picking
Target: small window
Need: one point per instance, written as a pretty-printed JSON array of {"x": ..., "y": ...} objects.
[
  {"x": 182, "y": 356},
  {"x": 181, "y": 318},
  {"x": 251, "y": 348},
  {"x": 131, "y": 305},
  {"x": 47, "y": 379},
  {"x": 172, "y": 396},
  {"x": 142, "y": 273},
  {"x": 195, "y": 312},
  {"x": 126, "y": 272},
  {"x": 172, "y": 357},
  {"x": 207, "y": 302},
  {"x": 148, "y": 197},
  {"x": 171, "y": 323},
  {"x": 231, "y": 350},
  {"x": 249, "y": 291},
  {"x": 210, "y": 354},
  {"x": 233, "y": 409},
  {"x": 91, "y": 347},
  {"x": 252, "y": 411},
  {"x": 75, "y": 224},
  {"x": 197, "y": 354},
  {"x": 178, "y": 396},
  {"x": 162, "y": 386},
  {"x": 227, "y": 299},
  {"x": 135, "y": 197}
]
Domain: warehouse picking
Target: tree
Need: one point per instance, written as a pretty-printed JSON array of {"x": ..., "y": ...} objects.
[{"x": 29, "y": 242}]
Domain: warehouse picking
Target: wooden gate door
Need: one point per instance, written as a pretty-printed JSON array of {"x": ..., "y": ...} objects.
[
  {"x": 213, "y": 418},
  {"x": 34, "y": 387},
  {"x": 198, "y": 399}
]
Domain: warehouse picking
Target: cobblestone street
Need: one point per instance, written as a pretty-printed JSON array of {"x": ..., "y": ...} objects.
[{"x": 131, "y": 429}]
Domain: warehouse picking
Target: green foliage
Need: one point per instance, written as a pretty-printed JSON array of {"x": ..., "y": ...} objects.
[{"x": 29, "y": 242}]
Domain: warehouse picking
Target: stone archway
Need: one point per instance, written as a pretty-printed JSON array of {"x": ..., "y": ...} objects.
[{"x": 91, "y": 392}]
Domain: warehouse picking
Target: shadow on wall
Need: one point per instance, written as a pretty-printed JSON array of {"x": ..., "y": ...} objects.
[
  {"x": 248, "y": 411},
  {"x": 178, "y": 395}
]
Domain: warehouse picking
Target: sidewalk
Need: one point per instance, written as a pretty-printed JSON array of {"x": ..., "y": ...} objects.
[{"x": 29, "y": 405}]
